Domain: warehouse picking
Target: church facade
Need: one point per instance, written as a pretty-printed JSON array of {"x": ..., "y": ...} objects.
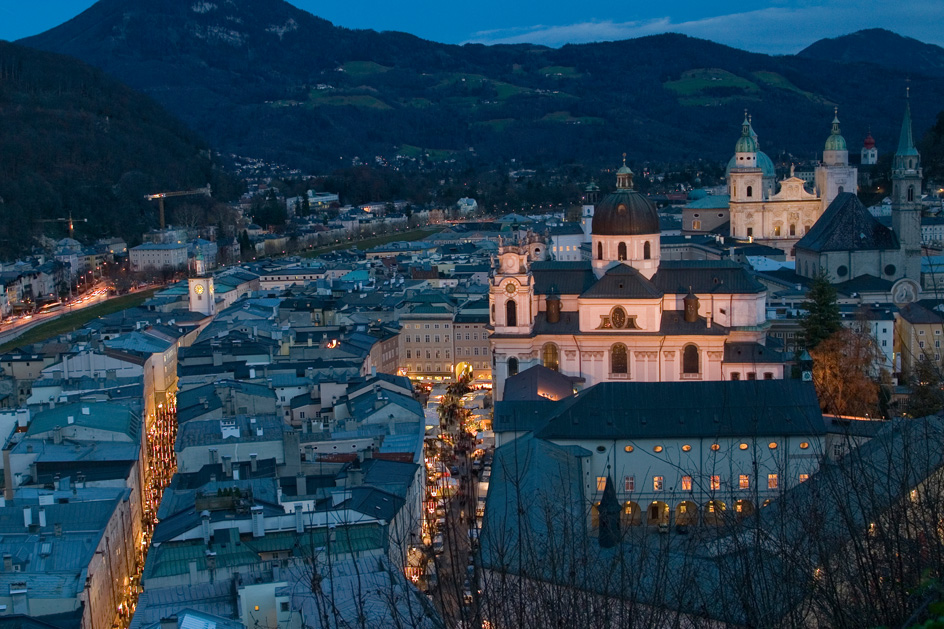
[{"x": 626, "y": 315}]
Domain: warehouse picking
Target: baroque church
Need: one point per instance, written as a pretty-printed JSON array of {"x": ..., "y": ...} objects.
[
  {"x": 754, "y": 206},
  {"x": 625, "y": 314}
]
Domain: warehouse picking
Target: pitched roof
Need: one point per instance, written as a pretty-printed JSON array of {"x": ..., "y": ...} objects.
[
  {"x": 641, "y": 410},
  {"x": 847, "y": 226},
  {"x": 704, "y": 276},
  {"x": 622, "y": 281},
  {"x": 563, "y": 278},
  {"x": 538, "y": 383}
]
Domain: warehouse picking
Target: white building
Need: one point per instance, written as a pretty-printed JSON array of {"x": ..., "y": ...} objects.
[{"x": 151, "y": 256}]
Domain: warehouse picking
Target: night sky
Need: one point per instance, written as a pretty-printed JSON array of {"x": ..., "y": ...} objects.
[{"x": 770, "y": 26}]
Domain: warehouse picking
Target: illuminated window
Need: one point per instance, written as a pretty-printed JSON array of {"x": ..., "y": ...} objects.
[
  {"x": 686, "y": 483},
  {"x": 715, "y": 482},
  {"x": 804, "y": 445},
  {"x": 743, "y": 446},
  {"x": 628, "y": 449},
  {"x": 772, "y": 481},
  {"x": 804, "y": 478},
  {"x": 772, "y": 445},
  {"x": 601, "y": 483},
  {"x": 686, "y": 448},
  {"x": 657, "y": 449},
  {"x": 657, "y": 483},
  {"x": 629, "y": 483},
  {"x": 744, "y": 481},
  {"x": 715, "y": 447},
  {"x": 550, "y": 356}
]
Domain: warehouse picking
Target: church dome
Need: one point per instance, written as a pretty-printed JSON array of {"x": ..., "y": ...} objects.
[
  {"x": 835, "y": 141},
  {"x": 625, "y": 212},
  {"x": 763, "y": 162}
]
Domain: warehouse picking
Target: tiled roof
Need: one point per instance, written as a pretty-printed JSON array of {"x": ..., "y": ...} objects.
[
  {"x": 622, "y": 282},
  {"x": 704, "y": 276},
  {"x": 847, "y": 226}
]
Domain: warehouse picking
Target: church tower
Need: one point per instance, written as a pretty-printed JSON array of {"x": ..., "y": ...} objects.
[
  {"x": 201, "y": 292},
  {"x": 834, "y": 175},
  {"x": 869, "y": 152},
  {"x": 586, "y": 214},
  {"x": 746, "y": 179},
  {"x": 906, "y": 196}
]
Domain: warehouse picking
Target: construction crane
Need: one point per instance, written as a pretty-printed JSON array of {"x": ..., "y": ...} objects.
[
  {"x": 69, "y": 220},
  {"x": 160, "y": 196}
]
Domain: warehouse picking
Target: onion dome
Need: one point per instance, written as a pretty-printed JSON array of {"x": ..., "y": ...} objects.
[
  {"x": 625, "y": 212},
  {"x": 747, "y": 143},
  {"x": 835, "y": 141},
  {"x": 869, "y": 141}
]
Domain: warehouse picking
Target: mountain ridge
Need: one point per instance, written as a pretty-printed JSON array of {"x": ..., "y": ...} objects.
[{"x": 267, "y": 79}]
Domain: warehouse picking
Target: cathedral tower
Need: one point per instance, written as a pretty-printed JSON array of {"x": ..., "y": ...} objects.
[
  {"x": 834, "y": 175},
  {"x": 906, "y": 197}
]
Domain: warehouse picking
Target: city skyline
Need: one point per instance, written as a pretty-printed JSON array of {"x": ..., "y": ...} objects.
[{"x": 771, "y": 26}]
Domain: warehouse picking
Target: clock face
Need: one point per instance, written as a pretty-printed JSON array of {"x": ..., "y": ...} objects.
[
  {"x": 510, "y": 288},
  {"x": 198, "y": 289}
]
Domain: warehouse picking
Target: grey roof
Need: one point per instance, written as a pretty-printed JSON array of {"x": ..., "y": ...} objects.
[
  {"x": 704, "y": 276},
  {"x": 847, "y": 226},
  {"x": 537, "y": 383},
  {"x": 750, "y": 353},
  {"x": 563, "y": 278},
  {"x": 521, "y": 416},
  {"x": 627, "y": 410},
  {"x": 622, "y": 281},
  {"x": 201, "y": 433}
]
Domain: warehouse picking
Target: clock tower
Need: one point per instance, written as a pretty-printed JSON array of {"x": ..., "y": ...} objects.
[{"x": 202, "y": 295}]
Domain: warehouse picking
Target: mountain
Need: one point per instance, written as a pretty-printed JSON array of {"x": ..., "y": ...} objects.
[
  {"x": 882, "y": 48},
  {"x": 265, "y": 79},
  {"x": 76, "y": 140}
]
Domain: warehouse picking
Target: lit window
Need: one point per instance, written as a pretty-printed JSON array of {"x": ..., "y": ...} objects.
[
  {"x": 743, "y": 446},
  {"x": 628, "y": 449},
  {"x": 772, "y": 445},
  {"x": 715, "y": 482},
  {"x": 657, "y": 483},
  {"x": 601, "y": 483},
  {"x": 715, "y": 447},
  {"x": 772, "y": 481},
  {"x": 686, "y": 448},
  {"x": 657, "y": 449},
  {"x": 744, "y": 481},
  {"x": 804, "y": 445},
  {"x": 804, "y": 478},
  {"x": 686, "y": 483},
  {"x": 629, "y": 483}
]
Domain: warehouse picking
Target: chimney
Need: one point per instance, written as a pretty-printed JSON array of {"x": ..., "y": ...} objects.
[
  {"x": 57, "y": 527},
  {"x": 42, "y": 517},
  {"x": 27, "y": 516},
  {"x": 213, "y": 455},
  {"x": 258, "y": 522},
  {"x": 7, "y": 562},
  {"x": 254, "y": 462},
  {"x": 192, "y": 569},
  {"x": 553, "y": 308},
  {"x": 301, "y": 481},
  {"x": 205, "y": 526},
  {"x": 227, "y": 465},
  {"x": 299, "y": 520},
  {"x": 210, "y": 560},
  {"x": 57, "y": 435}
]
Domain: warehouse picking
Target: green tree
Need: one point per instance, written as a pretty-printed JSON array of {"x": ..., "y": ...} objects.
[{"x": 822, "y": 319}]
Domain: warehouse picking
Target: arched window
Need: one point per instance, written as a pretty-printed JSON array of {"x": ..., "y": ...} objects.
[
  {"x": 646, "y": 251},
  {"x": 550, "y": 357},
  {"x": 910, "y": 193},
  {"x": 511, "y": 313},
  {"x": 776, "y": 230},
  {"x": 599, "y": 251},
  {"x": 793, "y": 229},
  {"x": 621, "y": 251},
  {"x": 512, "y": 366},
  {"x": 618, "y": 359},
  {"x": 750, "y": 191},
  {"x": 841, "y": 190},
  {"x": 690, "y": 359}
]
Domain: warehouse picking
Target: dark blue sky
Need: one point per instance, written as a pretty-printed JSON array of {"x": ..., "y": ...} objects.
[{"x": 771, "y": 26}]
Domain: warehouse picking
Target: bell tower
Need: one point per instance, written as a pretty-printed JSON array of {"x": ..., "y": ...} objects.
[
  {"x": 907, "y": 178},
  {"x": 201, "y": 291}
]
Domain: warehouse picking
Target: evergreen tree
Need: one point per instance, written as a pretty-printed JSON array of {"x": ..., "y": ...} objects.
[{"x": 822, "y": 319}]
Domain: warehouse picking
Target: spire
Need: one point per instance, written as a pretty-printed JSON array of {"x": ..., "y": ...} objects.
[
  {"x": 906, "y": 140},
  {"x": 747, "y": 143},
  {"x": 835, "y": 141}
]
